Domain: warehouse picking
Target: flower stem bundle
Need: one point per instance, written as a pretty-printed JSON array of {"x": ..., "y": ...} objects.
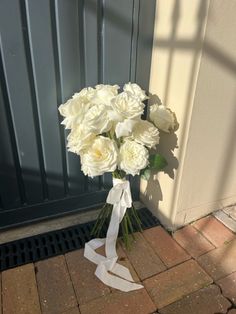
[{"x": 130, "y": 223}]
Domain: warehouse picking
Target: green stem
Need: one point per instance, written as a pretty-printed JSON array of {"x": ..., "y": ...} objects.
[
  {"x": 131, "y": 218},
  {"x": 124, "y": 237},
  {"x": 95, "y": 227},
  {"x": 130, "y": 224},
  {"x": 104, "y": 214},
  {"x": 118, "y": 174},
  {"x": 136, "y": 218},
  {"x": 127, "y": 232}
]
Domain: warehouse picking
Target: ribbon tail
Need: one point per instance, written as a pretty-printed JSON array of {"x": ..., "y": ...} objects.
[
  {"x": 89, "y": 251},
  {"x": 122, "y": 272},
  {"x": 120, "y": 197},
  {"x": 124, "y": 283},
  {"x": 112, "y": 232},
  {"x": 115, "y": 282}
]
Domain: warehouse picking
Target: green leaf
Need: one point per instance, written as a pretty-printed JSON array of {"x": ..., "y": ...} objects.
[
  {"x": 145, "y": 174},
  {"x": 157, "y": 162}
]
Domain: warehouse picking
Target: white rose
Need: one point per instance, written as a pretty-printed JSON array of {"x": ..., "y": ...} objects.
[
  {"x": 79, "y": 139},
  {"x": 132, "y": 157},
  {"x": 97, "y": 119},
  {"x": 127, "y": 106},
  {"x": 100, "y": 157},
  {"x": 135, "y": 90},
  {"x": 104, "y": 93},
  {"x": 125, "y": 128},
  {"x": 76, "y": 107},
  {"x": 85, "y": 95},
  {"x": 162, "y": 117},
  {"x": 145, "y": 133}
]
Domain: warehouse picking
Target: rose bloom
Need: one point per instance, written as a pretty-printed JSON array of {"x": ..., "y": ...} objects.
[
  {"x": 100, "y": 157},
  {"x": 125, "y": 127},
  {"x": 127, "y": 106},
  {"x": 104, "y": 93},
  {"x": 76, "y": 107},
  {"x": 85, "y": 95},
  {"x": 132, "y": 157},
  {"x": 97, "y": 119},
  {"x": 135, "y": 90},
  {"x": 79, "y": 139},
  {"x": 145, "y": 133},
  {"x": 162, "y": 117}
]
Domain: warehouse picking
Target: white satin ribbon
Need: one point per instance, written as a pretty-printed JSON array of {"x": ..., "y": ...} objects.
[{"x": 120, "y": 197}]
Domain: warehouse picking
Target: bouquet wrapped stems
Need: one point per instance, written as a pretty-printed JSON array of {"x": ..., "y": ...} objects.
[
  {"x": 109, "y": 134},
  {"x": 129, "y": 224}
]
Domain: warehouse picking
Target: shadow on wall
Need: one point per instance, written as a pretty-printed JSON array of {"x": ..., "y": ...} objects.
[{"x": 169, "y": 143}]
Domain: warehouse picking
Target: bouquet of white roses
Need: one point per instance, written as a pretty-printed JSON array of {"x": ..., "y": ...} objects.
[{"x": 109, "y": 135}]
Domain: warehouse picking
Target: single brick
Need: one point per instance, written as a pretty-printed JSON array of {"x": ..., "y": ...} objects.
[
  {"x": 220, "y": 262},
  {"x": 87, "y": 286},
  {"x": 173, "y": 284},
  {"x": 54, "y": 285},
  {"x": 143, "y": 258},
  {"x": 120, "y": 303},
  {"x": 228, "y": 287},
  {"x": 193, "y": 241},
  {"x": 165, "y": 246},
  {"x": 19, "y": 291},
  {"x": 214, "y": 230},
  {"x": 208, "y": 300}
]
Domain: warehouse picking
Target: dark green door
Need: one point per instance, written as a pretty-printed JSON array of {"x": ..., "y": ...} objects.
[{"x": 48, "y": 51}]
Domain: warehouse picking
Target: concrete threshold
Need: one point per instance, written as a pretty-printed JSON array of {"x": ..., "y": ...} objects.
[{"x": 52, "y": 224}]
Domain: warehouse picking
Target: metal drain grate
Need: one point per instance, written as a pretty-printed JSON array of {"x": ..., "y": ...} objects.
[{"x": 54, "y": 243}]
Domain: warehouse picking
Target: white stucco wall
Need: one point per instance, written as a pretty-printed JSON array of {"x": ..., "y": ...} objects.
[{"x": 194, "y": 73}]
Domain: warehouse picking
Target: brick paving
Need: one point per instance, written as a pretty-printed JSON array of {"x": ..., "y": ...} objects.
[
  {"x": 118, "y": 302},
  {"x": 228, "y": 287},
  {"x": 176, "y": 282},
  {"x": 192, "y": 272},
  {"x": 19, "y": 291},
  {"x": 211, "y": 298},
  {"x": 164, "y": 245},
  {"x": 193, "y": 241},
  {"x": 55, "y": 287},
  {"x": 143, "y": 258},
  {"x": 87, "y": 287},
  {"x": 214, "y": 230},
  {"x": 75, "y": 310},
  {"x": 220, "y": 262}
]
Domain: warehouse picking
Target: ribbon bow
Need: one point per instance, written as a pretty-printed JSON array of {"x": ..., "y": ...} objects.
[{"x": 120, "y": 197}]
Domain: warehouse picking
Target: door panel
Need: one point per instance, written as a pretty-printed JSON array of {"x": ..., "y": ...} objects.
[{"x": 49, "y": 50}]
